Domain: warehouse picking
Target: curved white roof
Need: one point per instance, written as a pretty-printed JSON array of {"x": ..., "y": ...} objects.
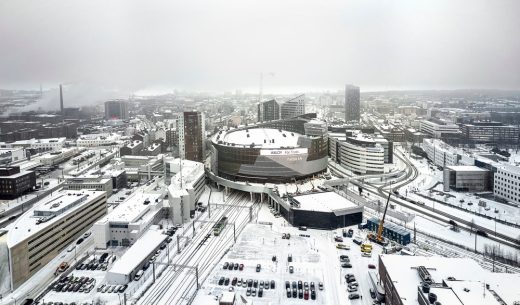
[{"x": 262, "y": 137}]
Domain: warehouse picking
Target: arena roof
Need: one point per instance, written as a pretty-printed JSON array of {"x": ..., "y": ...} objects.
[{"x": 261, "y": 137}]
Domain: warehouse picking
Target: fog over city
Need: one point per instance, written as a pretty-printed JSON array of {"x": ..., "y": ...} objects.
[{"x": 211, "y": 46}]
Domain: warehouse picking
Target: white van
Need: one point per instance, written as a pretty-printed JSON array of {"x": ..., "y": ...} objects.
[{"x": 138, "y": 275}]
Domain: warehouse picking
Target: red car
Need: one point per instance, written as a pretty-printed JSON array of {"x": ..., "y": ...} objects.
[
  {"x": 370, "y": 266},
  {"x": 306, "y": 294},
  {"x": 241, "y": 267}
]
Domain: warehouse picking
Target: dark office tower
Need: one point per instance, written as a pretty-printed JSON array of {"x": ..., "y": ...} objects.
[
  {"x": 293, "y": 107},
  {"x": 268, "y": 111},
  {"x": 191, "y": 134},
  {"x": 116, "y": 110},
  {"x": 61, "y": 100},
  {"x": 352, "y": 109}
]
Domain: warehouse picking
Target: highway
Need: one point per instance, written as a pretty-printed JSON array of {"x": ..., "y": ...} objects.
[{"x": 411, "y": 174}]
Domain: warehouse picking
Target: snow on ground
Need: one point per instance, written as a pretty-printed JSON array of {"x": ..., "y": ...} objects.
[
  {"x": 488, "y": 223},
  {"x": 503, "y": 211},
  {"x": 315, "y": 259}
]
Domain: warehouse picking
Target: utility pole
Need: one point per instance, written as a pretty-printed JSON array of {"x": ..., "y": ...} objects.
[
  {"x": 475, "y": 242},
  {"x": 234, "y": 233},
  {"x": 153, "y": 270},
  {"x": 197, "y": 276}
]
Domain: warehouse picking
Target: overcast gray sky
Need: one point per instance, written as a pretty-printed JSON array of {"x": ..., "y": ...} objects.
[{"x": 209, "y": 45}]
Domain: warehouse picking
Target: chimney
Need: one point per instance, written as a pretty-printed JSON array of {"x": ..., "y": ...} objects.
[{"x": 61, "y": 100}]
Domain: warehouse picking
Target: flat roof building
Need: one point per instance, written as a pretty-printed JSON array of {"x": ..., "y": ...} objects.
[
  {"x": 14, "y": 182},
  {"x": 466, "y": 178},
  {"x": 96, "y": 182},
  {"x": 323, "y": 210},
  {"x": 420, "y": 280},
  {"x": 40, "y": 234},
  {"x": 125, "y": 268}
]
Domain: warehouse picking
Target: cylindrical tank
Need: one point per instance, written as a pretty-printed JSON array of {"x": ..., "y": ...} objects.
[
  {"x": 425, "y": 287},
  {"x": 432, "y": 297}
]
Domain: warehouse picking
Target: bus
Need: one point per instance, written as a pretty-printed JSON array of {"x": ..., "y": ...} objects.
[{"x": 220, "y": 225}]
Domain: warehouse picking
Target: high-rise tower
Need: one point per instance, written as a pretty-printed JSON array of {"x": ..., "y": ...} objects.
[{"x": 352, "y": 108}]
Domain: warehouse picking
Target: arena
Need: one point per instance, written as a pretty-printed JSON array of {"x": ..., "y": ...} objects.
[{"x": 266, "y": 154}]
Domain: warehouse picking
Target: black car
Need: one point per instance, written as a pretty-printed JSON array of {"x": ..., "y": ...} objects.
[
  {"x": 226, "y": 265},
  {"x": 235, "y": 267},
  {"x": 79, "y": 241},
  {"x": 294, "y": 285},
  {"x": 287, "y": 284},
  {"x": 294, "y": 293},
  {"x": 258, "y": 268},
  {"x": 372, "y": 293},
  {"x": 346, "y": 265},
  {"x": 255, "y": 284},
  {"x": 226, "y": 281},
  {"x": 288, "y": 292},
  {"x": 300, "y": 285},
  {"x": 249, "y": 283},
  {"x": 353, "y": 296},
  {"x": 260, "y": 292},
  {"x": 221, "y": 281},
  {"x": 300, "y": 293},
  {"x": 313, "y": 294},
  {"x": 273, "y": 285}
]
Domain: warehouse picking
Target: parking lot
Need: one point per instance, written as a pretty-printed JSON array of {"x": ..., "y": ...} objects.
[
  {"x": 307, "y": 267},
  {"x": 86, "y": 282}
]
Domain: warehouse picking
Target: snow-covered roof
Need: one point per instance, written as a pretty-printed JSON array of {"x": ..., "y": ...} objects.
[
  {"x": 467, "y": 273},
  {"x": 132, "y": 209},
  {"x": 466, "y": 168},
  {"x": 324, "y": 202},
  {"x": 138, "y": 252},
  {"x": 261, "y": 137},
  {"x": 60, "y": 204}
]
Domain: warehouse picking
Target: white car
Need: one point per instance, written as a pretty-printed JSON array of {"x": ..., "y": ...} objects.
[{"x": 87, "y": 234}]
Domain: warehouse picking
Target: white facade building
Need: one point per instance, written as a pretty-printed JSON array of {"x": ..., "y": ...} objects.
[
  {"x": 57, "y": 157},
  {"x": 440, "y": 153},
  {"x": 53, "y": 144},
  {"x": 362, "y": 159},
  {"x": 507, "y": 183},
  {"x": 187, "y": 185},
  {"x": 436, "y": 129},
  {"x": 102, "y": 139},
  {"x": 128, "y": 221}
]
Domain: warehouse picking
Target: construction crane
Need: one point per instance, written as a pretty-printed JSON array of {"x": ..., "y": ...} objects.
[{"x": 379, "y": 237}]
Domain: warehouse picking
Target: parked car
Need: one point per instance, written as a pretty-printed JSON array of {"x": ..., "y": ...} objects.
[
  {"x": 353, "y": 296},
  {"x": 258, "y": 268},
  {"x": 291, "y": 269},
  {"x": 371, "y": 266}
]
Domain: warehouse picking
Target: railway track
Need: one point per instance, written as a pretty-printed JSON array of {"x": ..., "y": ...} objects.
[
  {"x": 215, "y": 245},
  {"x": 437, "y": 214}
]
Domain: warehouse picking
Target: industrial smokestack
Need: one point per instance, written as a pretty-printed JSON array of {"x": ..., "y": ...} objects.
[{"x": 61, "y": 100}]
